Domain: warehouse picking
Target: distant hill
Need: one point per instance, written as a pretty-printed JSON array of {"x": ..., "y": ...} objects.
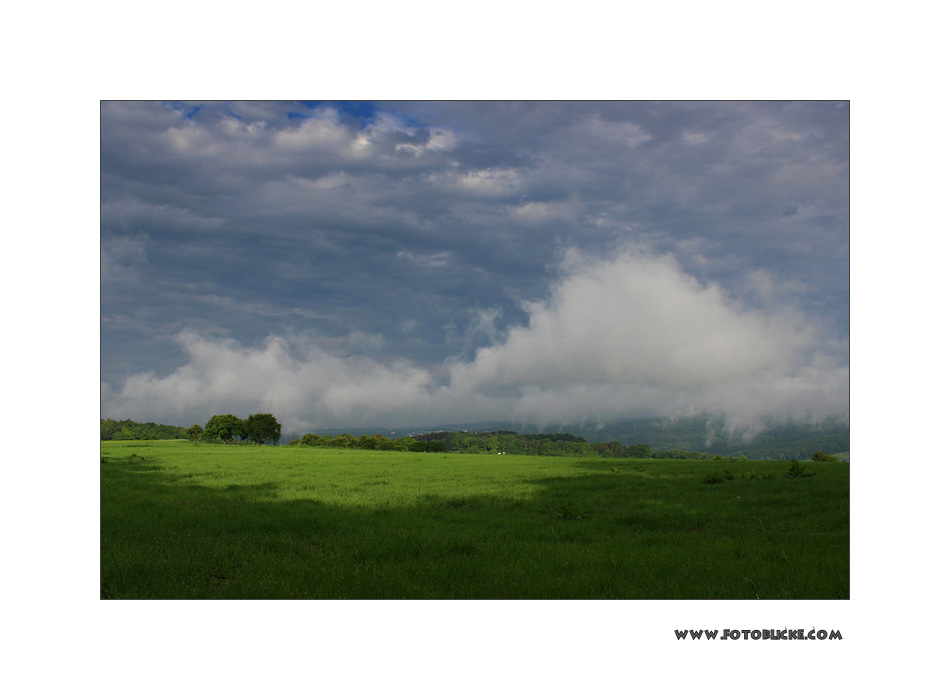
[
  {"x": 783, "y": 440},
  {"x": 780, "y": 440}
]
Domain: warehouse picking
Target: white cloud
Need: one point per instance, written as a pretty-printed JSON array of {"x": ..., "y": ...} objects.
[
  {"x": 629, "y": 335},
  {"x": 302, "y": 386},
  {"x": 218, "y": 146},
  {"x": 635, "y": 335},
  {"x": 484, "y": 182},
  {"x": 321, "y": 132},
  {"x": 634, "y": 318}
]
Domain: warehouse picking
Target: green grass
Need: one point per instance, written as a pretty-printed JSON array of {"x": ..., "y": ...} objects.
[{"x": 209, "y": 521}]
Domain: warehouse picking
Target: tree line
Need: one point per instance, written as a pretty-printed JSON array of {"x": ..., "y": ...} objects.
[
  {"x": 542, "y": 444},
  {"x": 499, "y": 441},
  {"x": 258, "y": 429},
  {"x": 263, "y": 428},
  {"x": 110, "y": 429},
  {"x": 368, "y": 442}
]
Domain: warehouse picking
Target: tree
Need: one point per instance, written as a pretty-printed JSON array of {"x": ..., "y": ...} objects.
[
  {"x": 130, "y": 430},
  {"x": 224, "y": 427},
  {"x": 609, "y": 449},
  {"x": 108, "y": 428},
  {"x": 345, "y": 440},
  {"x": 262, "y": 427},
  {"x": 641, "y": 450},
  {"x": 366, "y": 442},
  {"x": 311, "y": 439},
  {"x": 195, "y": 432},
  {"x": 402, "y": 444},
  {"x": 126, "y": 433}
]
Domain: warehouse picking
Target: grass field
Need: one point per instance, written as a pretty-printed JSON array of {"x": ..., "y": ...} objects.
[{"x": 180, "y": 520}]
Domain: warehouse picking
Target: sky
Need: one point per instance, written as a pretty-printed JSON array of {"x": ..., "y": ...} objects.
[{"x": 367, "y": 264}]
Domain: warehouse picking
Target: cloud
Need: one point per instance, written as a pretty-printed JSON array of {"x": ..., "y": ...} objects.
[
  {"x": 121, "y": 258},
  {"x": 635, "y": 335},
  {"x": 628, "y": 335},
  {"x": 132, "y": 213},
  {"x": 634, "y": 318},
  {"x": 263, "y": 139},
  {"x": 300, "y": 382},
  {"x": 414, "y": 242},
  {"x": 425, "y": 260}
]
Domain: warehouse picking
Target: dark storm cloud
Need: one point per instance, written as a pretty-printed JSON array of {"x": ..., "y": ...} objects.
[{"x": 406, "y": 240}]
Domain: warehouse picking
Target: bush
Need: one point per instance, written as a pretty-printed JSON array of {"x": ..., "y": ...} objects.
[
  {"x": 822, "y": 457},
  {"x": 345, "y": 441},
  {"x": 796, "y": 470}
]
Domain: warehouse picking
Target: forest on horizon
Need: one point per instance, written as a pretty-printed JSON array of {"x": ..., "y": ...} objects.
[{"x": 692, "y": 438}]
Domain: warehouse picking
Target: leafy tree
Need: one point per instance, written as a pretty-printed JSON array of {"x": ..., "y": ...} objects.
[
  {"x": 195, "y": 432},
  {"x": 108, "y": 428},
  {"x": 311, "y": 440},
  {"x": 130, "y": 430},
  {"x": 126, "y": 433},
  {"x": 261, "y": 427},
  {"x": 638, "y": 451},
  {"x": 373, "y": 442},
  {"x": 344, "y": 440},
  {"x": 609, "y": 449},
  {"x": 366, "y": 442},
  {"x": 402, "y": 444},
  {"x": 224, "y": 427}
]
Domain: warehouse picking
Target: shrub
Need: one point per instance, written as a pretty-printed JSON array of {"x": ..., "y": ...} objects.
[
  {"x": 796, "y": 470},
  {"x": 314, "y": 439}
]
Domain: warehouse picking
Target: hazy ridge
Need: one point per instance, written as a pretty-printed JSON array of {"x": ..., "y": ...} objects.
[{"x": 776, "y": 440}]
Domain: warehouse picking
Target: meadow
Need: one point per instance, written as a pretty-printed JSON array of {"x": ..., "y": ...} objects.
[{"x": 203, "y": 521}]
